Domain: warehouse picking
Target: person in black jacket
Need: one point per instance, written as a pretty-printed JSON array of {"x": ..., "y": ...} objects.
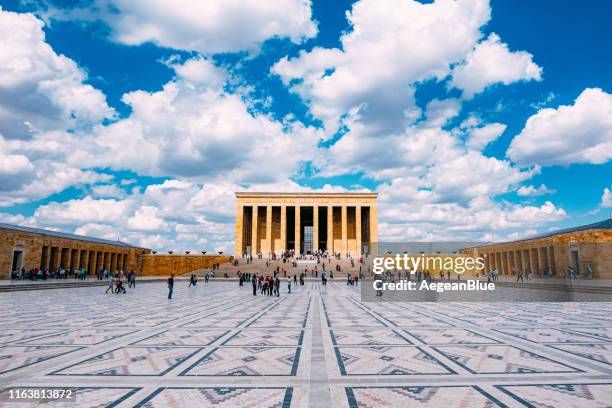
[{"x": 170, "y": 286}]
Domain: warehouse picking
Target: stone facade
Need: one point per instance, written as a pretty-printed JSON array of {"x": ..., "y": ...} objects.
[
  {"x": 165, "y": 265},
  {"x": 305, "y": 222},
  {"x": 32, "y": 248},
  {"x": 584, "y": 247}
]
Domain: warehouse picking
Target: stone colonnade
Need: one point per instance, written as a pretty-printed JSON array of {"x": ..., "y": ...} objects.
[
  {"x": 533, "y": 259},
  {"x": 111, "y": 259},
  {"x": 275, "y": 222}
]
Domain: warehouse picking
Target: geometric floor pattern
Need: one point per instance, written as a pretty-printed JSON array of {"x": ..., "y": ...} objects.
[{"x": 216, "y": 345}]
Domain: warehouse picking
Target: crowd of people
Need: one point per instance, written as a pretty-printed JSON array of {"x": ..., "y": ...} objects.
[
  {"x": 36, "y": 274},
  {"x": 115, "y": 281}
]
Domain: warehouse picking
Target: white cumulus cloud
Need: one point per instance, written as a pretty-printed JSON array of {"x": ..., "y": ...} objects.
[
  {"x": 532, "y": 191},
  {"x": 391, "y": 45},
  {"x": 606, "y": 198},
  {"x": 39, "y": 89},
  {"x": 210, "y": 26},
  {"x": 480, "y": 137},
  {"x": 578, "y": 133},
  {"x": 491, "y": 62}
]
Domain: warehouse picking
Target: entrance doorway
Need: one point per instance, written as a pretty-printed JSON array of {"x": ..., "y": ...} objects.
[
  {"x": 308, "y": 237},
  {"x": 576, "y": 262},
  {"x": 17, "y": 260}
]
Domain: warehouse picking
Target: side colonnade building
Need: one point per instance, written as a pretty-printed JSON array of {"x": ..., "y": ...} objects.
[
  {"x": 586, "y": 249},
  {"x": 34, "y": 248},
  {"x": 272, "y": 223}
]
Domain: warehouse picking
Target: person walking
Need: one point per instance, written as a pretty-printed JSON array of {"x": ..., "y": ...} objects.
[
  {"x": 192, "y": 280},
  {"x": 120, "y": 287},
  {"x": 277, "y": 286},
  {"x": 289, "y": 284},
  {"x": 110, "y": 284},
  {"x": 170, "y": 286},
  {"x": 132, "y": 279},
  {"x": 254, "y": 284}
]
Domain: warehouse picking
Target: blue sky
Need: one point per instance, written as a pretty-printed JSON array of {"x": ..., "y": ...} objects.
[{"x": 138, "y": 120}]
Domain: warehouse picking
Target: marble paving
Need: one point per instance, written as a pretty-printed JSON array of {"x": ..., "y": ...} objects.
[{"x": 216, "y": 345}]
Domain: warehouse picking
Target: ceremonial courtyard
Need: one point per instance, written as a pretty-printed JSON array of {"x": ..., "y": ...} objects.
[{"x": 320, "y": 346}]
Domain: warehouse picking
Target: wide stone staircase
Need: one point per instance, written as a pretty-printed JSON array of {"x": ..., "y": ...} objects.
[{"x": 259, "y": 266}]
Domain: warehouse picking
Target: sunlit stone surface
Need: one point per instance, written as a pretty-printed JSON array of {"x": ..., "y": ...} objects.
[{"x": 218, "y": 345}]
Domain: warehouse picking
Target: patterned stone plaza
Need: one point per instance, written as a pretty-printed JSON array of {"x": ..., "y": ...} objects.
[{"x": 217, "y": 345}]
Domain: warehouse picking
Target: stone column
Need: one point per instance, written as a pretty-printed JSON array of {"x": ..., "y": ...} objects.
[
  {"x": 283, "y": 229},
  {"x": 85, "y": 261},
  {"x": 68, "y": 259},
  {"x": 254, "y": 232},
  {"x": 551, "y": 259},
  {"x": 330, "y": 229},
  {"x": 373, "y": 230},
  {"x": 344, "y": 232},
  {"x": 48, "y": 259},
  {"x": 315, "y": 228},
  {"x": 358, "y": 229},
  {"x": 506, "y": 268},
  {"x": 92, "y": 264},
  {"x": 58, "y": 258},
  {"x": 298, "y": 238},
  {"x": 77, "y": 259},
  {"x": 541, "y": 266},
  {"x": 532, "y": 261},
  {"x": 269, "y": 244},
  {"x": 238, "y": 247}
]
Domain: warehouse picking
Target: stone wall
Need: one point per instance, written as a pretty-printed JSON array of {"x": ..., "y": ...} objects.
[
  {"x": 33, "y": 250},
  {"x": 167, "y": 264}
]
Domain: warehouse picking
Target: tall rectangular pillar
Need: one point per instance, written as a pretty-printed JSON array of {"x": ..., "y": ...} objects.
[
  {"x": 344, "y": 231},
  {"x": 551, "y": 258},
  {"x": 56, "y": 260},
  {"x": 47, "y": 259},
  {"x": 373, "y": 230},
  {"x": 85, "y": 260},
  {"x": 283, "y": 229},
  {"x": 330, "y": 229},
  {"x": 358, "y": 230},
  {"x": 268, "y": 249},
  {"x": 254, "y": 239},
  {"x": 76, "y": 258},
  {"x": 68, "y": 259},
  {"x": 238, "y": 247},
  {"x": 298, "y": 230},
  {"x": 315, "y": 228},
  {"x": 505, "y": 263},
  {"x": 92, "y": 265}
]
